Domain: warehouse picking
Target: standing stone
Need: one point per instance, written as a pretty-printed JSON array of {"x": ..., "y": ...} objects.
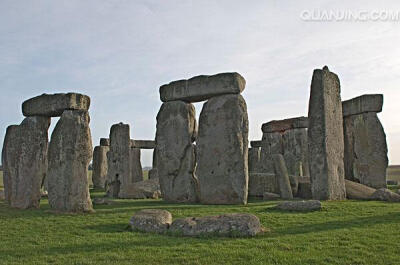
[
  {"x": 282, "y": 177},
  {"x": 325, "y": 137},
  {"x": 153, "y": 172},
  {"x": 365, "y": 156},
  {"x": 104, "y": 142},
  {"x": 222, "y": 147},
  {"x": 295, "y": 152},
  {"x": 271, "y": 144},
  {"x": 100, "y": 166},
  {"x": 254, "y": 159},
  {"x": 24, "y": 160},
  {"x": 259, "y": 183},
  {"x": 70, "y": 151},
  {"x": 175, "y": 151},
  {"x": 136, "y": 166},
  {"x": 119, "y": 170}
]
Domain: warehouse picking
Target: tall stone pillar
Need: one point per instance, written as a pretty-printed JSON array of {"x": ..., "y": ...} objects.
[
  {"x": 70, "y": 152},
  {"x": 100, "y": 164},
  {"x": 325, "y": 137},
  {"x": 365, "y": 156}
]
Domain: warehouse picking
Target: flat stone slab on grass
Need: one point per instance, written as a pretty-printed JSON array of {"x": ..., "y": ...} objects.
[
  {"x": 357, "y": 191},
  {"x": 234, "y": 224},
  {"x": 362, "y": 104},
  {"x": 311, "y": 205},
  {"x": 203, "y": 87},
  {"x": 385, "y": 195},
  {"x": 151, "y": 220},
  {"x": 286, "y": 124},
  {"x": 53, "y": 105}
]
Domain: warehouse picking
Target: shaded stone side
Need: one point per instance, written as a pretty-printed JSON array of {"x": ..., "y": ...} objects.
[
  {"x": 363, "y": 104},
  {"x": 222, "y": 145},
  {"x": 100, "y": 166},
  {"x": 24, "y": 160},
  {"x": 365, "y": 157},
  {"x": 282, "y": 177},
  {"x": 136, "y": 165},
  {"x": 259, "y": 183},
  {"x": 295, "y": 152},
  {"x": 175, "y": 152},
  {"x": 325, "y": 137},
  {"x": 271, "y": 144},
  {"x": 119, "y": 169},
  {"x": 284, "y": 125},
  {"x": 254, "y": 159},
  {"x": 70, "y": 151}
]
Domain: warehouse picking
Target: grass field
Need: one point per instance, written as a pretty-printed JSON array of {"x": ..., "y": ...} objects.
[{"x": 342, "y": 233}]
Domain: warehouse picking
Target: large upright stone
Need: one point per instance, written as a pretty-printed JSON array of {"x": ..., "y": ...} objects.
[
  {"x": 175, "y": 151},
  {"x": 222, "y": 164},
  {"x": 100, "y": 166},
  {"x": 254, "y": 159},
  {"x": 365, "y": 156},
  {"x": 325, "y": 137},
  {"x": 271, "y": 144},
  {"x": 24, "y": 160},
  {"x": 282, "y": 177},
  {"x": 136, "y": 165},
  {"x": 119, "y": 169},
  {"x": 53, "y": 105},
  {"x": 203, "y": 87},
  {"x": 70, "y": 151},
  {"x": 295, "y": 151}
]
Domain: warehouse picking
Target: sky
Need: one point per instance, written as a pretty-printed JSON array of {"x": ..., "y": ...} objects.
[{"x": 120, "y": 52}]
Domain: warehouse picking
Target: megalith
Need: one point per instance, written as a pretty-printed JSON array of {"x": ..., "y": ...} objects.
[
  {"x": 24, "y": 160},
  {"x": 70, "y": 152},
  {"x": 136, "y": 165},
  {"x": 175, "y": 151},
  {"x": 100, "y": 164},
  {"x": 282, "y": 177},
  {"x": 365, "y": 147},
  {"x": 222, "y": 150},
  {"x": 325, "y": 137}
]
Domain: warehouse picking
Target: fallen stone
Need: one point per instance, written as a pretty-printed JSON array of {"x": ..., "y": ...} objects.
[
  {"x": 104, "y": 142},
  {"x": 365, "y": 156},
  {"x": 146, "y": 189},
  {"x": 101, "y": 201},
  {"x": 325, "y": 137},
  {"x": 385, "y": 195},
  {"x": 283, "y": 125},
  {"x": 269, "y": 196},
  {"x": 311, "y": 205},
  {"x": 151, "y": 220},
  {"x": 203, "y": 87},
  {"x": 259, "y": 183},
  {"x": 175, "y": 152},
  {"x": 357, "y": 191},
  {"x": 143, "y": 144},
  {"x": 24, "y": 160},
  {"x": 100, "y": 166},
  {"x": 282, "y": 177},
  {"x": 70, "y": 151},
  {"x": 256, "y": 144},
  {"x": 363, "y": 104},
  {"x": 234, "y": 224},
  {"x": 53, "y": 105},
  {"x": 222, "y": 151}
]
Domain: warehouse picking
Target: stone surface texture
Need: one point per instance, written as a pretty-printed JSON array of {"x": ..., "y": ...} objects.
[
  {"x": 387, "y": 195},
  {"x": 100, "y": 166},
  {"x": 363, "y": 104},
  {"x": 136, "y": 165},
  {"x": 357, "y": 191},
  {"x": 146, "y": 189},
  {"x": 282, "y": 177},
  {"x": 151, "y": 220},
  {"x": 284, "y": 125},
  {"x": 259, "y": 183},
  {"x": 311, "y": 205},
  {"x": 143, "y": 144}
]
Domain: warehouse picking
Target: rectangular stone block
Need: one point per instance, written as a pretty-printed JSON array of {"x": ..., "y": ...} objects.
[
  {"x": 283, "y": 125},
  {"x": 104, "y": 142},
  {"x": 143, "y": 144},
  {"x": 53, "y": 105},
  {"x": 259, "y": 183},
  {"x": 203, "y": 87},
  {"x": 362, "y": 104},
  {"x": 325, "y": 137},
  {"x": 256, "y": 144}
]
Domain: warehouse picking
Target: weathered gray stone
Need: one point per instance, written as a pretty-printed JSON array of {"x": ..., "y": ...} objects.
[
  {"x": 53, "y": 105},
  {"x": 222, "y": 151},
  {"x": 256, "y": 144},
  {"x": 363, "y": 104},
  {"x": 203, "y": 87},
  {"x": 151, "y": 220},
  {"x": 175, "y": 153},
  {"x": 325, "y": 137},
  {"x": 101, "y": 201},
  {"x": 146, "y": 189},
  {"x": 234, "y": 224},
  {"x": 100, "y": 166},
  {"x": 119, "y": 170},
  {"x": 259, "y": 183},
  {"x": 104, "y": 142},
  {"x": 295, "y": 152},
  {"x": 365, "y": 156},
  {"x": 254, "y": 159},
  {"x": 304, "y": 188},
  {"x": 70, "y": 151},
  {"x": 269, "y": 196},
  {"x": 153, "y": 173},
  {"x": 385, "y": 195},
  {"x": 282, "y": 177},
  {"x": 271, "y": 144},
  {"x": 136, "y": 165},
  {"x": 24, "y": 160},
  {"x": 143, "y": 144},
  {"x": 294, "y": 184},
  {"x": 311, "y": 205},
  {"x": 283, "y": 125},
  {"x": 357, "y": 191}
]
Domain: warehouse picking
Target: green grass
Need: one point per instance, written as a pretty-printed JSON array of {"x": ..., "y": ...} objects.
[{"x": 347, "y": 232}]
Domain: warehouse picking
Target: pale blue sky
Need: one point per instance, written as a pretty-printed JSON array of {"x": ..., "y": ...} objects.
[{"x": 120, "y": 52}]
